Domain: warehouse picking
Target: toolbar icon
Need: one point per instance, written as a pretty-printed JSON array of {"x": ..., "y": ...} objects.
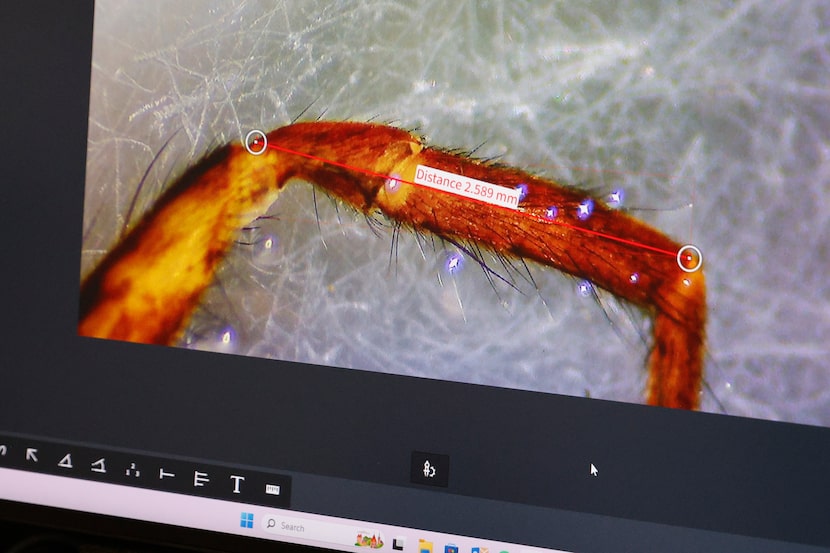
[
  {"x": 132, "y": 471},
  {"x": 246, "y": 520},
  {"x": 99, "y": 466},
  {"x": 432, "y": 469},
  {"x": 31, "y": 454},
  {"x": 163, "y": 474},
  {"x": 398, "y": 543},
  {"x": 272, "y": 489},
  {"x": 3, "y": 450},
  {"x": 200, "y": 479},
  {"x": 66, "y": 462},
  {"x": 237, "y": 480},
  {"x": 424, "y": 546}
]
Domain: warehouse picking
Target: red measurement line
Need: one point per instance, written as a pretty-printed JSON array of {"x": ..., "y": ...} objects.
[
  {"x": 615, "y": 238},
  {"x": 530, "y": 215},
  {"x": 337, "y": 164}
]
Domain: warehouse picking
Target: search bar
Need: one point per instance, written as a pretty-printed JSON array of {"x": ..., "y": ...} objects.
[{"x": 318, "y": 530}]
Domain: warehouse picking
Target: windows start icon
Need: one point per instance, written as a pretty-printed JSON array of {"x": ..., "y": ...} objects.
[{"x": 246, "y": 520}]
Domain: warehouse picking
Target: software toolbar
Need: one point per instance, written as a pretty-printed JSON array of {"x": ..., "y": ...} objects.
[{"x": 145, "y": 471}]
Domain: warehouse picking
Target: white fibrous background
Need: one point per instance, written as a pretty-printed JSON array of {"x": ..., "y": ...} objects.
[{"x": 714, "y": 118}]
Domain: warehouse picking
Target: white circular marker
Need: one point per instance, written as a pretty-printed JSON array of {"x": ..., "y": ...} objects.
[
  {"x": 393, "y": 183},
  {"x": 254, "y": 136},
  {"x": 694, "y": 251}
]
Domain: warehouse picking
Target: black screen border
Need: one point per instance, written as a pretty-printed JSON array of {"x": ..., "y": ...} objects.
[{"x": 712, "y": 472}]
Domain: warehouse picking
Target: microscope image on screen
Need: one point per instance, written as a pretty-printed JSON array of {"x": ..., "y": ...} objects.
[{"x": 602, "y": 202}]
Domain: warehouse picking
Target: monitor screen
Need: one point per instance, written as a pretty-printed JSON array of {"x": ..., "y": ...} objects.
[{"x": 420, "y": 277}]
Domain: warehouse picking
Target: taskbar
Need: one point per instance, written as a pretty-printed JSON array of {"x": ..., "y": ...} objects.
[{"x": 237, "y": 518}]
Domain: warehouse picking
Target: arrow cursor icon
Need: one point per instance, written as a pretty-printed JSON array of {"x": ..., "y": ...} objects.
[
  {"x": 594, "y": 471},
  {"x": 31, "y": 454}
]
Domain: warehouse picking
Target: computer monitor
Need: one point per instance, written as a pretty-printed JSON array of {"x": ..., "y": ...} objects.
[{"x": 419, "y": 277}]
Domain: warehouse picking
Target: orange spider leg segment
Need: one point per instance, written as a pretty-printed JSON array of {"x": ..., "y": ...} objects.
[
  {"x": 146, "y": 289},
  {"x": 548, "y": 227},
  {"x": 148, "y": 286}
]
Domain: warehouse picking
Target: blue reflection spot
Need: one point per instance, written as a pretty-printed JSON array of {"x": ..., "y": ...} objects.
[
  {"x": 585, "y": 289},
  {"x": 522, "y": 188},
  {"x": 634, "y": 278},
  {"x": 615, "y": 198},
  {"x": 454, "y": 263},
  {"x": 551, "y": 212},
  {"x": 584, "y": 209}
]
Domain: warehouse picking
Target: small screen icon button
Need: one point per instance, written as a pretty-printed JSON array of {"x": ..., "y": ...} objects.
[{"x": 432, "y": 469}]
